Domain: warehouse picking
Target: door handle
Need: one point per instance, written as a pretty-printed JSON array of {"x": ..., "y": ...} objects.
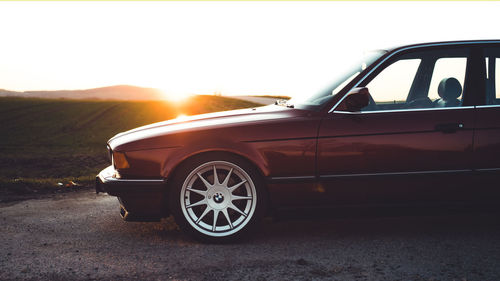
[{"x": 449, "y": 127}]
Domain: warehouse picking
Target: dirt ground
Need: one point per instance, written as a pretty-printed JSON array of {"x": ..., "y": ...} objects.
[{"x": 80, "y": 236}]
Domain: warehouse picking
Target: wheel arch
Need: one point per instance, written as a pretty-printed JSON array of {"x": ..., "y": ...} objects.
[{"x": 170, "y": 167}]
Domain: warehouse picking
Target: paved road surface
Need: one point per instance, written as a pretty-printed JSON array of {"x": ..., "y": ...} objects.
[{"x": 80, "y": 236}]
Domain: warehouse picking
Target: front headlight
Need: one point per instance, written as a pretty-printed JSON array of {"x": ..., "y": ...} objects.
[{"x": 120, "y": 160}]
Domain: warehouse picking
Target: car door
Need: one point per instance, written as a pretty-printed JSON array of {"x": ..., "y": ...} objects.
[
  {"x": 412, "y": 144},
  {"x": 487, "y": 133}
]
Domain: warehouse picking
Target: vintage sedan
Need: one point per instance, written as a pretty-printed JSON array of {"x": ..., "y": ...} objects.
[{"x": 416, "y": 125}]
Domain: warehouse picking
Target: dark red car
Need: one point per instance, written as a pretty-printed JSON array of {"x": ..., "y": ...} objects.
[{"x": 417, "y": 125}]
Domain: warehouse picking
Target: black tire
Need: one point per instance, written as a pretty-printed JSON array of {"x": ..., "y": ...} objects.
[{"x": 218, "y": 202}]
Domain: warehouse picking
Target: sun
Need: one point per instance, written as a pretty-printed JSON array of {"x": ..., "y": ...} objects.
[
  {"x": 181, "y": 117},
  {"x": 177, "y": 98}
]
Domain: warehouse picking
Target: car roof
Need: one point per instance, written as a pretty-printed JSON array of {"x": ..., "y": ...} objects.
[{"x": 463, "y": 42}]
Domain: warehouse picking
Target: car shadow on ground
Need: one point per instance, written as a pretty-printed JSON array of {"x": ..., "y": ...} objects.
[
  {"x": 380, "y": 226},
  {"x": 327, "y": 227}
]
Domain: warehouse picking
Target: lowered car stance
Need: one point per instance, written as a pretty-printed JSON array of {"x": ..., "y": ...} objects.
[{"x": 416, "y": 125}]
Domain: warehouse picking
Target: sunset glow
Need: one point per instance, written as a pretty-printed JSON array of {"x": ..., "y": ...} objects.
[
  {"x": 181, "y": 117},
  {"x": 177, "y": 98},
  {"x": 232, "y": 48}
]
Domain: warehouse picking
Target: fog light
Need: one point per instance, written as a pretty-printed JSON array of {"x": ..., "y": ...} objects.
[{"x": 120, "y": 160}]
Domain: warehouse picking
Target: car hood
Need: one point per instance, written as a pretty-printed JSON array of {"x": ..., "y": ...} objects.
[{"x": 201, "y": 122}]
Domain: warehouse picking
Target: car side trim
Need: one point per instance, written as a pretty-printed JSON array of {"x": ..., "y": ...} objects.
[
  {"x": 393, "y": 174},
  {"x": 314, "y": 178},
  {"x": 291, "y": 179},
  {"x": 488, "y": 169},
  {"x": 115, "y": 181}
]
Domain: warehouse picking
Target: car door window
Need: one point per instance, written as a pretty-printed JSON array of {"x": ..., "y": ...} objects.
[
  {"x": 419, "y": 80},
  {"x": 443, "y": 69},
  {"x": 391, "y": 87},
  {"x": 492, "y": 63}
]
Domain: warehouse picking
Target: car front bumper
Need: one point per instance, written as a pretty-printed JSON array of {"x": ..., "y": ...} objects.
[
  {"x": 140, "y": 199},
  {"x": 107, "y": 182}
]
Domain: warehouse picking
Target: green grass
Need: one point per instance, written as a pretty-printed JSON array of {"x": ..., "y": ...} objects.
[{"x": 47, "y": 141}]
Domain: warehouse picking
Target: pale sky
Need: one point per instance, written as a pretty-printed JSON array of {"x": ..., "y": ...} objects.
[{"x": 236, "y": 48}]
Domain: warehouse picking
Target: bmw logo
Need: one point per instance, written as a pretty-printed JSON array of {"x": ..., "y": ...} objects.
[{"x": 218, "y": 197}]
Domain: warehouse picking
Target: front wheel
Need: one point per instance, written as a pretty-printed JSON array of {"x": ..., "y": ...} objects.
[{"x": 217, "y": 199}]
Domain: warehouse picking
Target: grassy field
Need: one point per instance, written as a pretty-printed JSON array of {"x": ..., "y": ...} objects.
[
  {"x": 44, "y": 142},
  {"x": 275, "y": 97}
]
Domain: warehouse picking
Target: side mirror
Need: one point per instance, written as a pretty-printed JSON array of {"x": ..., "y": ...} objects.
[{"x": 355, "y": 100}]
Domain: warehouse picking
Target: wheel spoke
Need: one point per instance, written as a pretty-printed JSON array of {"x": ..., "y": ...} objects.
[
  {"x": 226, "y": 214},
  {"x": 201, "y": 202},
  {"x": 232, "y": 206},
  {"x": 216, "y": 178},
  {"x": 207, "y": 209},
  {"x": 216, "y": 215},
  {"x": 226, "y": 180},
  {"x": 200, "y": 192},
  {"x": 236, "y": 197},
  {"x": 207, "y": 184},
  {"x": 233, "y": 188}
]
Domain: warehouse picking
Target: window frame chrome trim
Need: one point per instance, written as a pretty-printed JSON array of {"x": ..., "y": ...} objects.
[
  {"x": 390, "y": 55},
  {"x": 405, "y": 110},
  {"x": 487, "y": 105}
]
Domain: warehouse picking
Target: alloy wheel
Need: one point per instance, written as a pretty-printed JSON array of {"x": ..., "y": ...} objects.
[{"x": 218, "y": 198}]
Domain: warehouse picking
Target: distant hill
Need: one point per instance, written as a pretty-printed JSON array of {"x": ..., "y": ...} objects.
[{"x": 120, "y": 92}]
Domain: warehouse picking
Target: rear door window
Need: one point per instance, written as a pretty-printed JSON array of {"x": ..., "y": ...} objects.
[{"x": 492, "y": 63}]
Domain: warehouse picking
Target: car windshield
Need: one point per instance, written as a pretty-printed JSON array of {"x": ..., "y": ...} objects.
[{"x": 317, "y": 98}]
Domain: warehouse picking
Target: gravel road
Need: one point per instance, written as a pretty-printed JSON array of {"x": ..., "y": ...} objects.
[{"x": 80, "y": 236}]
